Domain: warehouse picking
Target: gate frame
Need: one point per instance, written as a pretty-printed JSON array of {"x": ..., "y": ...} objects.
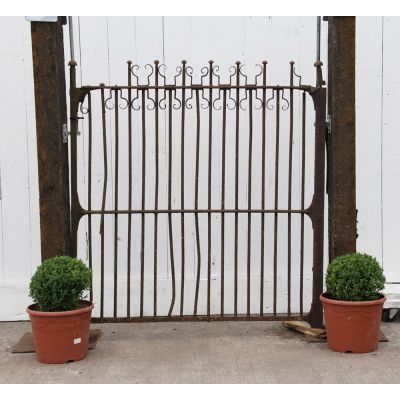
[{"x": 315, "y": 211}]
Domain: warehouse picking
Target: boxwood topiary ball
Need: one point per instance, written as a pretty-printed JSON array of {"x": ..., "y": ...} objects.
[
  {"x": 354, "y": 277},
  {"x": 59, "y": 283}
]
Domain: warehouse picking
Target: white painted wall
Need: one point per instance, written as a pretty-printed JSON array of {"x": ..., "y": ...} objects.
[
  {"x": 378, "y": 152},
  {"x": 19, "y": 204},
  {"x": 102, "y": 47}
]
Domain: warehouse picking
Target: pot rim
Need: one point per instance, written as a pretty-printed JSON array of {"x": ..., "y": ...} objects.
[
  {"x": 77, "y": 311},
  {"x": 352, "y": 303}
]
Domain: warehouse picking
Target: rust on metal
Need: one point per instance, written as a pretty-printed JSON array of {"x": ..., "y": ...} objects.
[
  {"x": 224, "y": 106},
  {"x": 263, "y": 141},
  {"x": 177, "y": 318}
]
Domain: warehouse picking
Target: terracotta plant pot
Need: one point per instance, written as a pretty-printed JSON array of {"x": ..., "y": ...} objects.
[
  {"x": 61, "y": 336},
  {"x": 352, "y": 326}
]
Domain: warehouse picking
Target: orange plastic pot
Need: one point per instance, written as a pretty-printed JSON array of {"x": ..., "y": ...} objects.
[
  {"x": 352, "y": 326},
  {"x": 61, "y": 336}
]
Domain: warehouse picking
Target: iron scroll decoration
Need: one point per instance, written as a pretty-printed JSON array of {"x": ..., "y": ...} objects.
[{"x": 153, "y": 77}]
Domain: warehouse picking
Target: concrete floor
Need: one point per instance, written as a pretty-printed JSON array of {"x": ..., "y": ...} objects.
[{"x": 201, "y": 352}]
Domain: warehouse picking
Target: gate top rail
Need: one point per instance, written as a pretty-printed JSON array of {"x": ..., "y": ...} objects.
[{"x": 153, "y": 76}]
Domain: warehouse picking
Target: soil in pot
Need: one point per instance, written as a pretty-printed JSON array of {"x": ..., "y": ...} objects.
[
  {"x": 63, "y": 336},
  {"x": 352, "y": 326}
]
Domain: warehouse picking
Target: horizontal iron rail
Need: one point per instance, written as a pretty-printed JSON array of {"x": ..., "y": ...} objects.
[
  {"x": 196, "y": 211},
  {"x": 191, "y": 318},
  {"x": 197, "y": 87}
]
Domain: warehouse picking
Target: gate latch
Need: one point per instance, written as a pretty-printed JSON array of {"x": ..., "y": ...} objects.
[{"x": 67, "y": 133}]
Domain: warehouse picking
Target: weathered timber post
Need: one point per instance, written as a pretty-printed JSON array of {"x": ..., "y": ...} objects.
[
  {"x": 341, "y": 137},
  {"x": 51, "y": 114}
]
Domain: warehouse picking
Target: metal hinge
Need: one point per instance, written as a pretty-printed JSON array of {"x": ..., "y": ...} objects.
[
  {"x": 67, "y": 133},
  {"x": 328, "y": 124}
]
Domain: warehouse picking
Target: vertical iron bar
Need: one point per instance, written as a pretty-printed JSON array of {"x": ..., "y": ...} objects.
[
  {"x": 289, "y": 288},
  {"x": 183, "y": 187},
  {"x": 103, "y": 204},
  {"x": 90, "y": 150},
  {"x": 276, "y": 197},
  {"x": 171, "y": 244},
  {"x": 116, "y": 177},
  {"x": 303, "y": 167},
  {"x": 196, "y": 205},
  {"x": 72, "y": 215},
  {"x": 210, "y": 121},
  {"x": 236, "y": 185},
  {"x": 143, "y": 226},
  {"x": 249, "y": 201},
  {"x": 262, "y": 267},
  {"x": 128, "y": 305},
  {"x": 223, "y": 204},
  {"x": 318, "y": 38},
  {"x": 317, "y": 205},
  {"x": 156, "y": 190},
  {"x": 71, "y": 37}
]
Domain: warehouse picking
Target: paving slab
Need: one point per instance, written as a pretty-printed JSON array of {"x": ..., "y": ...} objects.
[{"x": 203, "y": 352}]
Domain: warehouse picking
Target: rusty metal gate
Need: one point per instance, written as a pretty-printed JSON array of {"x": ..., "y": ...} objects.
[{"x": 191, "y": 184}]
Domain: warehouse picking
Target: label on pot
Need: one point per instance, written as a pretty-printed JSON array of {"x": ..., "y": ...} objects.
[{"x": 77, "y": 340}]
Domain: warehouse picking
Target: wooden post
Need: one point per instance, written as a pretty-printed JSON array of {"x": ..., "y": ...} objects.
[
  {"x": 51, "y": 114},
  {"x": 341, "y": 138}
]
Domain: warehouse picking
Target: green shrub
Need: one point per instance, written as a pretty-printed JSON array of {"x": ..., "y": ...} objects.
[
  {"x": 59, "y": 283},
  {"x": 354, "y": 277}
]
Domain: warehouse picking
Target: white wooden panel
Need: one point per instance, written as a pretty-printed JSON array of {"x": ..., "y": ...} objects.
[
  {"x": 390, "y": 149},
  {"x": 368, "y": 138},
  {"x": 31, "y": 159},
  {"x": 1, "y": 236},
  {"x": 20, "y": 235},
  {"x": 17, "y": 133}
]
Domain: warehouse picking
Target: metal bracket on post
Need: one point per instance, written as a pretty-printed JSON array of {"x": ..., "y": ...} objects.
[
  {"x": 67, "y": 133},
  {"x": 41, "y": 19},
  {"x": 329, "y": 124},
  {"x": 328, "y": 131},
  {"x": 46, "y": 19}
]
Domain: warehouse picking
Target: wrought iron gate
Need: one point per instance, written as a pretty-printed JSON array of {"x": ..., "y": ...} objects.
[{"x": 148, "y": 107}]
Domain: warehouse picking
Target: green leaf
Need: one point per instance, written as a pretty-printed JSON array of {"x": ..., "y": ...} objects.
[
  {"x": 59, "y": 283},
  {"x": 354, "y": 277}
]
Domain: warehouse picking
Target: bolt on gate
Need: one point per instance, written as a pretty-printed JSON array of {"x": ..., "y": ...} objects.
[{"x": 184, "y": 185}]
